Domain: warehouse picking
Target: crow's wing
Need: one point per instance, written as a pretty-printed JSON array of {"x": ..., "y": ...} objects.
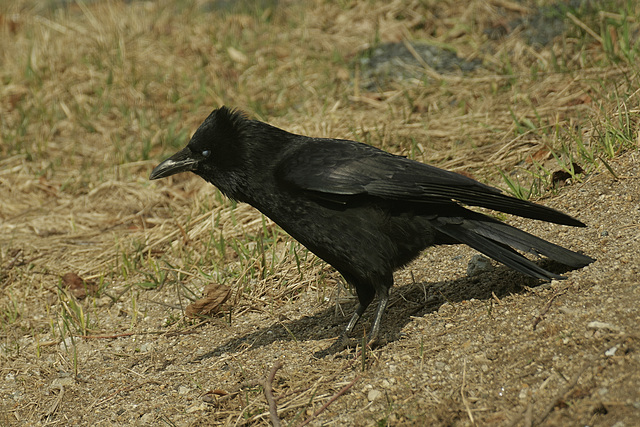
[{"x": 339, "y": 168}]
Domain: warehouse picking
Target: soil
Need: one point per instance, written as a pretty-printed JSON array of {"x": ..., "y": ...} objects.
[{"x": 494, "y": 349}]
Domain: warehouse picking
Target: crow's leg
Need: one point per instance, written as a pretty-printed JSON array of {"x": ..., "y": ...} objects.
[
  {"x": 356, "y": 316},
  {"x": 381, "y": 287},
  {"x": 383, "y": 298}
]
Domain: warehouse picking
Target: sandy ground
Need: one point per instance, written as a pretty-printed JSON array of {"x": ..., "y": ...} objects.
[{"x": 496, "y": 349}]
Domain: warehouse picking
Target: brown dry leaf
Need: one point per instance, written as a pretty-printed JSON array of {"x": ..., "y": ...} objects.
[
  {"x": 542, "y": 154},
  {"x": 579, "y": 100},
  {"x": 211, "y": 395},
  {"x": 214, "y": 296},
  {"x": 79, "y": 287},
  {"x": 13, "y": 22},
  {"x": 14, "y": 99}
]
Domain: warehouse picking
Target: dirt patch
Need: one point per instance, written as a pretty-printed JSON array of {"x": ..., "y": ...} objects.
[{"x": 488, "y": 349}]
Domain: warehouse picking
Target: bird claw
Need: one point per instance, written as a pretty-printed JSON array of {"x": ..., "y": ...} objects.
[{"x": 344, "y": 343}]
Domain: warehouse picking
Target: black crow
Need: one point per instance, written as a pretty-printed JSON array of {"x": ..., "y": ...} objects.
[{"x": 364, "y": 211}]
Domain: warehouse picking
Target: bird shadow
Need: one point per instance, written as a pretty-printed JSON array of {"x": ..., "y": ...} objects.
[{"x": 408, "y": 301}]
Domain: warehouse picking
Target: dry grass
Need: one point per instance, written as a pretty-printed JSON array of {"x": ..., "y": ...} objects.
[{"x": 94, "y": 94}]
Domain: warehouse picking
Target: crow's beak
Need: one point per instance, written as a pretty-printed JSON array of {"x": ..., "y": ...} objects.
[{"x": 182, "y": 161}]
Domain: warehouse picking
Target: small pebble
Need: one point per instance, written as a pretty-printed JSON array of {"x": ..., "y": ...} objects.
[
  {"x": 478, "y": 265},
  {"x": 197, "y": 407},
  {"x": 66, "y": 344},
  {"x": 602, "y": 325},
  {"x": 147, "y": 418},
  {"x": 373, "y": 395}
]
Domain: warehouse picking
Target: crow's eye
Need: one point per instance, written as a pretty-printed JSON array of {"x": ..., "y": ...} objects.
[{"x": 206, "y": 153}]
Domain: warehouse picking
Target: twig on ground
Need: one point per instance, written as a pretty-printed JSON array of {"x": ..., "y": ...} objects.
[
  {"x": 465, "y": 402},
  {"x": 234, "y": 393},
  {"x": 332, "y": 378},
  {"x": 546, "y": 308},
  {"x": 528, "y": 413},
  {"x": 56, "y": 404},
  {"x": 585, "y": 27},
  {"x": 268, "y": 393},
  {"x": 527, "y": 416},
  {"x": 561, "y": 396},
  {"x": 186, "y": 331},
  {"x": 330, "y": 401},
  {"x": 121, "y": 390},
  {"x": 124, "y": 334},
  {"x": 267, "y": 386}
]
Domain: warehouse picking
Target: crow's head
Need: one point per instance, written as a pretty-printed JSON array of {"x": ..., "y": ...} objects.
[{"x": 216, "y": 152}]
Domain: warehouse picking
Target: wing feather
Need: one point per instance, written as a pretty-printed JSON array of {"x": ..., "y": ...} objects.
[{"x": 347, "y": 168}]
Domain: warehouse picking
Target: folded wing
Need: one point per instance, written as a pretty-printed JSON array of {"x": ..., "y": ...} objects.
[{"x": 347, "y": 168}]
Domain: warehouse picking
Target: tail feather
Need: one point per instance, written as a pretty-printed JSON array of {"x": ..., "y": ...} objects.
[
  {"x": 526, "y": 242},
  {"x": 498, "y": 241}
]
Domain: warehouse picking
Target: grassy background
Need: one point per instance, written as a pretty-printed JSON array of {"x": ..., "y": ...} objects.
[{"x": 94, "y": 94}]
